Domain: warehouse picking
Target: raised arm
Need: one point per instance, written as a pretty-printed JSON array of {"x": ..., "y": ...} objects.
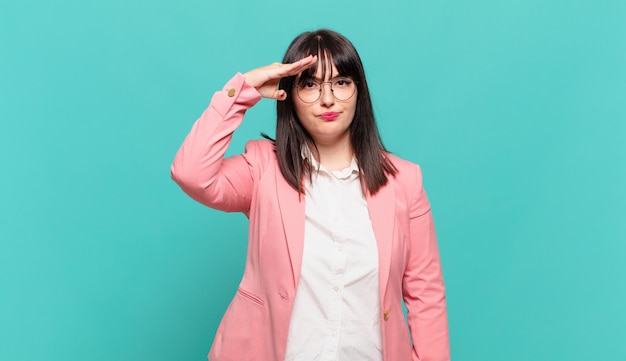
[{"x": 199, "y": 167}]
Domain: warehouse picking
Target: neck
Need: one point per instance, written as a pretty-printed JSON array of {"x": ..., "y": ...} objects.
[{"x": 335, "y": 155}]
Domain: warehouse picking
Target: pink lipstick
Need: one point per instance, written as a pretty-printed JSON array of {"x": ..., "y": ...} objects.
[{"x": 329, "y": 115}]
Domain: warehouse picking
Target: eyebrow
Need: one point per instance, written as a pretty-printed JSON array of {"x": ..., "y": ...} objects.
[{"x": 317, "y": 79}]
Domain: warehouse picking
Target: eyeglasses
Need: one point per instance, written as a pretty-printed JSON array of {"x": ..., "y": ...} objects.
[{"x": 309, "y": 91}]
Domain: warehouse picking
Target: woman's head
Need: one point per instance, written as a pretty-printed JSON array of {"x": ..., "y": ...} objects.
[
  {"x": 334, "y": 52},
  {"x": 337, "y": 57}
]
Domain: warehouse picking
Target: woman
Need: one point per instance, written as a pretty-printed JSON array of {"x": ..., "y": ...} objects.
[{"x": 340, "y": 230}]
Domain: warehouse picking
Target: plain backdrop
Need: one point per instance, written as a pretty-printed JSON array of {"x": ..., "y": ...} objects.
[{"x": 515, "y": 110}]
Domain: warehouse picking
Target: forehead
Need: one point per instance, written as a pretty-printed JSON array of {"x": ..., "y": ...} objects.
[
  {"x": 326, "y": 73},
  {"x": 323, "y": 69}
]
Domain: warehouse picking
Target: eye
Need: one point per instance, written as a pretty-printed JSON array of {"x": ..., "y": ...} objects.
[
  {"x": 309, "y": 84},
  {"x": 343, "y": 82}
]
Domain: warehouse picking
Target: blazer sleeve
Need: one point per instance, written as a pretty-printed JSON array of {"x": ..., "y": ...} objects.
[
  {"x": 199, "y": 167},
  {"x": 423, "y": 287}
]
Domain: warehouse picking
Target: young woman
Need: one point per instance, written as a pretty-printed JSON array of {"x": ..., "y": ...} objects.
[{"x": 341, "y": 232}]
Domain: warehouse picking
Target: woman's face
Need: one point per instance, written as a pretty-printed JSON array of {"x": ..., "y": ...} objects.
[{"x": 327, "y": 119}]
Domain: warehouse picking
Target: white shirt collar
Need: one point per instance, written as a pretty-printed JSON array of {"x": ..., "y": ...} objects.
[{"x": 345, "y": 173}]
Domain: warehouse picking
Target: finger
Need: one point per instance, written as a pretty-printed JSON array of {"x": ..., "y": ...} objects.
[
  {"x": 305, "y": 63},
  {"x": 307, "y": 59},
  {"x": 298, "y": 66}
]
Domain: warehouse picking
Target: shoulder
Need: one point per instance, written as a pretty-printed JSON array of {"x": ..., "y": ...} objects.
[
  {"x": 262, "y": 147},
  {"x": 408, "y": 173},
  {"x": 260, "y": 153},
  {"x": 408, "y": 182}
]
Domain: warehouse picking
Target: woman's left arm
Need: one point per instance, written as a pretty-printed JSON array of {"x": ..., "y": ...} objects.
[{"x": 423, "y": 287}]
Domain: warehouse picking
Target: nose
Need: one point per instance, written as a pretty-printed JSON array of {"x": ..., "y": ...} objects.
[{"x": 327, "y": 98}]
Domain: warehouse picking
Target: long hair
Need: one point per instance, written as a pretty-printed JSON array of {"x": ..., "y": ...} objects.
[{"x": 291, "y": 136}]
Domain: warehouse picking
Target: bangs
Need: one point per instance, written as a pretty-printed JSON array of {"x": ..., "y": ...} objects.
[{"x": 329, "y": 53}]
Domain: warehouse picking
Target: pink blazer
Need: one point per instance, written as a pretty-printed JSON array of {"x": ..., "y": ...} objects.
[{"x": 256, "y": 323}]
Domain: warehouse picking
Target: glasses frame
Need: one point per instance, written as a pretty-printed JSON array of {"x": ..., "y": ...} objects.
[{"x": 332, "y": 91}]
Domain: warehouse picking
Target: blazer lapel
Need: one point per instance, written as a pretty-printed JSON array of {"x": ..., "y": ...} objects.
[
  {"x": 382, "y": 212},
  {"x": 381, "y": 208},
  {"x": 291, "y": 205}
]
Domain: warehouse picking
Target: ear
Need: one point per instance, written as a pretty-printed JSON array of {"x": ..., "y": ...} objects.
[{"x": 280, "y": 94}]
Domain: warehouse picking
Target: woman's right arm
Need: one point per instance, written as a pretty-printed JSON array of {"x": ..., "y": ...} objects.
[{"x": 199, "y": 167}]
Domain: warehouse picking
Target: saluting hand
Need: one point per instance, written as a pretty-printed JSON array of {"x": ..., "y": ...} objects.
[{"x": 265, "y": 79}]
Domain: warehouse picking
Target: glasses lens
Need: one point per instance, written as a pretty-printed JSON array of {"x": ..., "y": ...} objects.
[
  {"x": 310, "y": 91},
  {"x": 343, "y": 88}
]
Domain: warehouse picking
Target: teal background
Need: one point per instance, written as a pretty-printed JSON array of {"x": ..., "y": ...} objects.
[{"x": 516, "y": 111}]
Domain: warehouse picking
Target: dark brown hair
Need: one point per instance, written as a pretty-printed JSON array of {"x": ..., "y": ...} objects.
[{"x": 291, "y": 136}]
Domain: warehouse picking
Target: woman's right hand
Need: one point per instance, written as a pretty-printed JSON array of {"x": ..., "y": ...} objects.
[{"x": 265, "y": 79}]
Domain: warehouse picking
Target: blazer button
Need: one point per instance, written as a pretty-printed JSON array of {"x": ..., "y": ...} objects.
[
  {"x": 386, "y": 315},
  {"x": 231, "y": 92}
]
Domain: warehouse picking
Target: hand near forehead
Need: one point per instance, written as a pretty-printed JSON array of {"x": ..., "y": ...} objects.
[{"x": 265, "y": 79}]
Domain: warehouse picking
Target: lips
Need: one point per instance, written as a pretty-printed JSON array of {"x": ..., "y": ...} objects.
[{"x": 329, "y": 115}]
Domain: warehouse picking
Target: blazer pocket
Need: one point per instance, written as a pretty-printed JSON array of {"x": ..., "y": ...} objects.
[
  {"x": 250, "y": 297},
  {"x": 242, "y": 333}
]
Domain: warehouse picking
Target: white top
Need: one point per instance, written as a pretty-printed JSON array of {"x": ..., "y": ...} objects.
[{"x": 336, "y": 313}]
